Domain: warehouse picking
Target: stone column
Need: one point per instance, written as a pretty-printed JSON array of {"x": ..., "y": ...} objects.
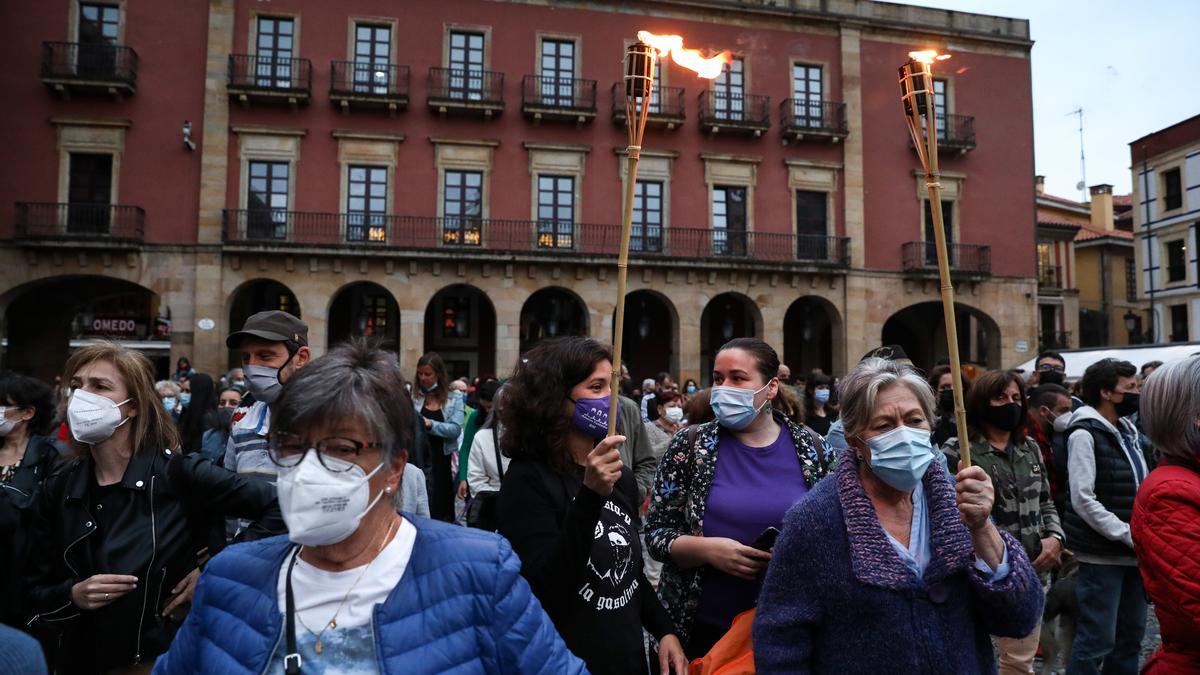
[{"x": 852, "y": 146}]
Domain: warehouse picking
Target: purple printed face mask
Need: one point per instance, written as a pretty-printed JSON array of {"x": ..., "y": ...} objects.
[{"x": 591, "y": 416}]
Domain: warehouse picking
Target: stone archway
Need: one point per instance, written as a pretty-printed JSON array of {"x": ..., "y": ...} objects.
[
  {"x": 258, "y": 295},
  {"x": 651, "y": 335},
  {"x": 725, "y": 317},
  {"x": 460, "y": 325},
  {"x": 811, "y": 332},
  {"x": 552, "y": 312},
  {"x": 921, "y": 330},
  {"x": 363, "y": 309}
]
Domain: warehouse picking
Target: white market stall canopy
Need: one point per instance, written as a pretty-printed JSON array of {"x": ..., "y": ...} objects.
[{"x": 1078, "y": 360}]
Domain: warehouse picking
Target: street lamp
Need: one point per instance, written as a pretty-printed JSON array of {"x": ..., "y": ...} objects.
[{"x": 1131, "y": 326}]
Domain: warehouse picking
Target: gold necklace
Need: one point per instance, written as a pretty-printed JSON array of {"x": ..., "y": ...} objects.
[{"x": 320, "y": 646}]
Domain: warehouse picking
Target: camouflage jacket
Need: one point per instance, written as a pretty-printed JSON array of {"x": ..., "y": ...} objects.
[{"x": 1024, "y": 507}]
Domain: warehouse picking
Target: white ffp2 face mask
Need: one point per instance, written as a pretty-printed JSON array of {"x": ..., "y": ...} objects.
[
  {"x": 93, "y": 418},
  {"x": 673, "y": 415},
  {"x": 6, "y": 425},
  {"x": 322, "y": 507}
]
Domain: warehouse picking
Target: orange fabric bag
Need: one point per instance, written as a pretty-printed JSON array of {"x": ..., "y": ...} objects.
[{"x": 733, "y": 654}]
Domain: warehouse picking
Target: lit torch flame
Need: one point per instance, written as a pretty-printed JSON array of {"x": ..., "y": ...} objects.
[
  {"x": 708, "y": 68},
  {"x": 928, "y": 56}
]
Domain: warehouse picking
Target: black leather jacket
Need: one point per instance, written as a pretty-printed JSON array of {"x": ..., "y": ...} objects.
[
  {"x": 17, "y": 498},
  {"x": 157, "y": 526}
]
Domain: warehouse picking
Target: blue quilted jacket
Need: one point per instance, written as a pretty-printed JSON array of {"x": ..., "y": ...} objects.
[{"x": 461, "y": 607}]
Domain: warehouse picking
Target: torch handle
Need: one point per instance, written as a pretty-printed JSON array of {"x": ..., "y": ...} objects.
[
  {"x": 947, "y": 287},
  {"x": 634, "y": 154}
]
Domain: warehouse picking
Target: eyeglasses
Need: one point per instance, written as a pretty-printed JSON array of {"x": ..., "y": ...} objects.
[
  {"x": 1048, "y": 368},
  {"x": 288, "y": 450}
]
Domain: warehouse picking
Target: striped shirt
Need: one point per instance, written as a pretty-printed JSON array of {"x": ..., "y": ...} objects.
[{"x": 246, "y": 450}]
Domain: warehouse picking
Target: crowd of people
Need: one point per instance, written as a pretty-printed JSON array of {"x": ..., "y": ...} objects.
[{"x": 324, "y": 513}]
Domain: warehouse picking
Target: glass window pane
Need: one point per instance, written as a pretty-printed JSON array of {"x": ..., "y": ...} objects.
[
  {"x": 285, "y": 26},
  {"x": 565, "y": 185},
  {"x": 279, "y": 201},
  {"x": 358, "y": 189},
  {"x": 358, "y": 174},
  {"x": 564, "y": 213},
  {"x": 545, "y": 213},
  {"x": 474, "y": 179},
  {"x": 279, "y": 185},
  {"x": 356, "y": 204},
  {"x": 378, "y": 205},
  {"x": 258, "y": 169}
]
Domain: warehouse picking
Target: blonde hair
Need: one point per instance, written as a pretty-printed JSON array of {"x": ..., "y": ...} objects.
[{"x": 152, "y": 427}]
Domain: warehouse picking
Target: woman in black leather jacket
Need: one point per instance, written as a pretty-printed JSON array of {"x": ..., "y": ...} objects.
[
  {"x": 119, "y": 533},
  {"x": 27, "y": 456}
]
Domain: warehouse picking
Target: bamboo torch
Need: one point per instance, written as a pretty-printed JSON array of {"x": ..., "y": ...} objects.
[
  {"x": 917, "y": 95},
  {"x": 641, "y": 58}
]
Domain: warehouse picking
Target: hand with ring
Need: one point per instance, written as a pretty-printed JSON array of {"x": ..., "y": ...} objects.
[{"x": 99, "y": 590}]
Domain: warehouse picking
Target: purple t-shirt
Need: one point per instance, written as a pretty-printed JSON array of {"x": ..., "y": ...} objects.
[{"x": 752, "y": 490}]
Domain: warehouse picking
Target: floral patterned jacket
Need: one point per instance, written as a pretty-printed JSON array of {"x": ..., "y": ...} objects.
[{"x": 685, "y": 476}]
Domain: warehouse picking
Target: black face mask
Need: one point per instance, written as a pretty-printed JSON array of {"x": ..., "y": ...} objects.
[
  {"x": 946, "y": 401},
  {"x": 1005, "y": 417},
  {"x": 1052, "y": 377},
  {"x": 1128, "y": 405}
]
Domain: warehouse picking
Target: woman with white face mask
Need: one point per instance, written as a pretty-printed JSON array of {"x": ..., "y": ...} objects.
[
  {"x": 721, "y": 489},
  {"x": 355, "y": 586},
  {"x": 670, "y": 419},
  {"x": 119, "y": 533},
  {"x": 892, "y": 565}
]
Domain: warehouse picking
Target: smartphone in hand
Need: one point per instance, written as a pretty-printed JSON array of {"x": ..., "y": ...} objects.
[{"x": 766, "y": 540}]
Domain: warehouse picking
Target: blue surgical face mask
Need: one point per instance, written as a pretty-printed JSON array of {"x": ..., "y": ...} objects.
[
  {"x": 691, "y": 389},
  {"x": 185, "y": 398},
  {"x": 734, "y": 406},
  {"x": 169, "y": 403},
  {"x": 901, "y": 456},
  {"x": 821, "y": 396}
]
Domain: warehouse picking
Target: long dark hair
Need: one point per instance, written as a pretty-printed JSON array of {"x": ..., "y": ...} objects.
[
  {"x": 27, "y": 392},
  {"x": 201, "y": 413},
  {"x": 532, "y": 411},
  {"x": 986, "y": 387},
  {"x": 810, "y": 403},
  {"x": 434, "y": 360}
]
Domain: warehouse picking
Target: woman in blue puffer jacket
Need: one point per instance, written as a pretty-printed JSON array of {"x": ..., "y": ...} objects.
[{"x": 356, "y": 587}]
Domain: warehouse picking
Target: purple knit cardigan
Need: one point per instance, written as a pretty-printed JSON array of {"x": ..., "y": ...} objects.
[{"x": 838, "y": 599}]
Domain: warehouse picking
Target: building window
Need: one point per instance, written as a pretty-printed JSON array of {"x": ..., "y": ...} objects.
[
  {"x": 647, "y": 216},
  {"x": 1172, "y": 181},
  {"x": 273, "y": 52},
  {"x": 1047, "y": 270},
  {"x": 462, "y": 208},
  {"x": 373, "y": 315},
  {"x": 267, "y": 200},
  {"x": 812, "y": 225},
  {"x": 366, "y": 203},
  {"x": 940, "y": 107},
  {"x": 456, "y": 316},
  {"x": 806, "y": 96},
  {"x": 1176, "y": 261},
  {"x": 89, "y": 193},
  {"x": 947, "y": 226},
  {"x": 372, "y": 58},
  {"x": 466, "y": 65},
  {"x": 1179, "y": 323},
  {"x": 1131, "y": 294},
  {"x": 558, "y": 73},
  {"x": 556, "y": 212},
  {"x": 729, "y": 220},
  {"x": 729, "y": 89},
  {"x": 99, "y": 27}
]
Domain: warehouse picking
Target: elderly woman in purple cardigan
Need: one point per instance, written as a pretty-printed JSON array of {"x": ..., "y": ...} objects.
[{"x": 891, "y": 566}]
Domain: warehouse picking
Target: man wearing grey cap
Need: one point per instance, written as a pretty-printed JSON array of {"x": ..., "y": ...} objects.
[{"x": 273, "y": 346}]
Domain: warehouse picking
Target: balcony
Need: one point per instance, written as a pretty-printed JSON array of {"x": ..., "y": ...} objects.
[
  {"x": 920, "y": 257},
  {"x": 69, "y": 67},
  {"x": 1054, "y": 340},
  {"x": 666, "y": 107},
  {"x": 738, "y": 113},
  {"x": 956, "y": 134},
  {"x": 1050, "y": 279},
  {"x": 268, "y": 79},
  {"x": 47, "y": 221},
  {"x": 559, "y": 99},
  {"x": 368, "y": 85},
  {"x": 466, "y": 92},
  {"x": 491, "y": 237},
  {"x": 820, "y": 121}
]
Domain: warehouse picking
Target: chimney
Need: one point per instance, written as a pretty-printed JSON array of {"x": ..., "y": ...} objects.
[
  {"x": 1039, "y": 184},
  {"x": 1102, "y": 207}
]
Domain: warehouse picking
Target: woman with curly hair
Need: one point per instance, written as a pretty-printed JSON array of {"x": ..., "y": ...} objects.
[{"x": 569, "y": 506}]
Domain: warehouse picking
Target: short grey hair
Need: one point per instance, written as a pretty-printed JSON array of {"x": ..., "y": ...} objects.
[
  {"x": 167, "y": 388},
  {"x": 861, "y": 387},
  {"x": 1170, "y": 408},
  {"x": 357, "y": 381}
]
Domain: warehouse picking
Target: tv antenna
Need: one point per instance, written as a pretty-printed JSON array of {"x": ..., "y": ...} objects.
[{"x": 1082, "y": 184}]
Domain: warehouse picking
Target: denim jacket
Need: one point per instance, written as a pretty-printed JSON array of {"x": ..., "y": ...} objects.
[{"x": 450, "y": 429}]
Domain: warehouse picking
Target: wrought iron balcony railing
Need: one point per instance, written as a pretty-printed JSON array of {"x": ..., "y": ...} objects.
[
  {"x": 720, "y": 111},
  {"x": 465, "y": 90},
  {"x": 666, "y": 106},
  {"x": 921, "y": 256},
  {"x": 491, "y": 235},
  {"x": 956, "y": 132},
  {"x": 570, "y": 97},
  {"x": 1050, "y": 277},
  {"x": 67, "y": 221},
  {"x": 366, "y": 81},
  {"x": 269, "y": 76},
  {"x": 804, "y": 118},
  {"x": 89, "y": 65},
  {"x": 1054, "y": 340}
]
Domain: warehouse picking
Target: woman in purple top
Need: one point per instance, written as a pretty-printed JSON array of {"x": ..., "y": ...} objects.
[{"x": 704, "y": 514}]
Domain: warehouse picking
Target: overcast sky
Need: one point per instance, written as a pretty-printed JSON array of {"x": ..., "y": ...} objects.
[{"x": 1134, "y": 68}]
